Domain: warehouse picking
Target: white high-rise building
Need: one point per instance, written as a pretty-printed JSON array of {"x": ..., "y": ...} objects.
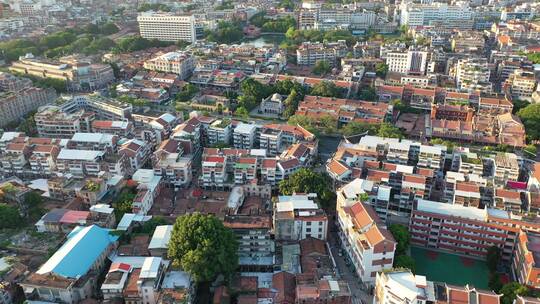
[
  {"x": 472, "y": 74},
  {"x": 454, "y": 16},
  {"x": 167, "y": 26},
  {"x": 410, "y": 62}
]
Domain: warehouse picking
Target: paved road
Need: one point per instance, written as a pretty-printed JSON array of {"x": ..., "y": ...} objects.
[{"x": 346, "y": 273}]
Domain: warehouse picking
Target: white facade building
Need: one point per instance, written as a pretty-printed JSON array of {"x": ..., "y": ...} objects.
[{"x": 166, "y": 26}]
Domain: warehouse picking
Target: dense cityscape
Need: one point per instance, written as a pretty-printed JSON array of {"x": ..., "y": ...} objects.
[{"x": 270, "y": 151}]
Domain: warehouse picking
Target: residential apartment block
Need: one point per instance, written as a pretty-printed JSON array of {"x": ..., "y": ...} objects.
[
  {"x": 182, "y": 64},
  {"x": 297, "y": 217}
]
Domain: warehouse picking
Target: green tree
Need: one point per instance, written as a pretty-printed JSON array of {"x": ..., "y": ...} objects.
[
  {"x": 242, "y": 112},
  {"x": 123, "y": 203},
  {"x": 187, "y": 93},
  {"x": 381, "y": 69},
  {"x": 511, "y": 290},
  {"x": 308, "y": 181},
  {"x": 9, "y": 217},
  {"x": 149, "y": 226},
  {"x": 203, "y": 247},
  {"x": 291, "y": 104},
  {"x": 33, "y": 201},
  {"x": 226, "y": 32},
  {"x": 495, "y": 282},
  {"x": 321, "y": 67},
  {"x": 326, "y": 88},
  {"x": 519, "y": 104},
  {"x": 493, "y": 257},
  {"x": 355, "y": 128},
  {"x": 402, "y": 236},
  {"x": 531, "y": 150},
  {"x": 405, "y": 261},
  {"x": 530, "y": 116},
  {"x": 369, "y": 94},
  {"x": 389, "y": 131},
  {"x": 255, "y": 89},
  {"x": 534, "y": 57},
  {"x": 305, "y": 122}
]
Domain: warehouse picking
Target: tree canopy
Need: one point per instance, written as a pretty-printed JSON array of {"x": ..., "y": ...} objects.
[
  {"x": 405, "y": 261},
  {"x": 326, "y": 88},
  {"x": 402, "y": 236},
  {"x": 493, "y": 257},
  {"x": 203, "y": 247},
  {"x": 321, "y": 67},
  {"x": 530, "y": 116},
  {"x": 9, "y": 217},
  {"x": 511, "y": 290},
  {"x": 308, "y": 181},
  {"x": 226, "y": 32}
]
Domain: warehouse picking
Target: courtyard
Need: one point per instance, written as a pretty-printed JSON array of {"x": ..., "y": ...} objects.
[{"x": 452, "y": 269}]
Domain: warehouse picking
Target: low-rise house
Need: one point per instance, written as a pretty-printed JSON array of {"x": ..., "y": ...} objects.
[
  {"x": 297, "y": 217},
  {"x": 365, "y": 239},
  {"x": 159, "y": 244},
  {"x": 70, "y": 274},
  {"x": 119, "y": 128}
]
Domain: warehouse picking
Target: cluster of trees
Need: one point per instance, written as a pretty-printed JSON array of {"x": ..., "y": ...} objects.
[
  {"x": 403, "y": 239},
  {"x": 326, "y": 124},
  {"x": 308, "y": 181},
  {"x": 381, "y": 69},
  {"x": 226, "y": 32},
  {"x": 188, "y": 92},
  {"x": 295, "y": 37},
  {"x": 225, "y": 5},
  {"x": 253, "y": 92},
  {"x": 530, "y": 116},
  {"x": 138, "y": 102},
  {"x": 122, "y": 203},
  {"x": 321, "y": 67},
  {"x": 286, "y": 4},
  {"x": 88, "y": 40},
  {"x": 367, "y": 93},
  {"x": 384, "y": 129},
  {"x": 137, "y": 43},
  {"x": 9, "y": 217},
  {"x": 153, "y": 7},
  {"x": 280, "y": 25},
  {"x": 534, "y": 57},
  {"x": 203, "y": 247},
  {"x": 12, "y": 216}
]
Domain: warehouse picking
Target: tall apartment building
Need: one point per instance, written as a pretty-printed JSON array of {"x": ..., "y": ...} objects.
[
  {"x": 256, "y": 246},
  {"x": 52, "y": 122},
  {"x": 410, "y": 62},
  {"x": 436, "y": 14},
  {"x": 402, "y": 286},
  {"x": 521, "y": 84},
  {"x": 367, "y": 242},
  {"x": 16, "y": 104},
  {"x": 78, "y": 75},
  {"x": 459, "y": 229},
  {"x": 297, "y": 217},
  {"x": 472, "y": 75},
  {"x": 167, "y": 27},
  {"x": 244, "y": 136},
  {"x": 105, "y": 108},
  {"x": 506, "y": 168},
  {"x": 526, "y": 263},
  {"x": 179, "y": 63},
  {"x": 219, "y": 131},
  {"x": 310, "y": 52},
  {"x": 214, "y": 171}
]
